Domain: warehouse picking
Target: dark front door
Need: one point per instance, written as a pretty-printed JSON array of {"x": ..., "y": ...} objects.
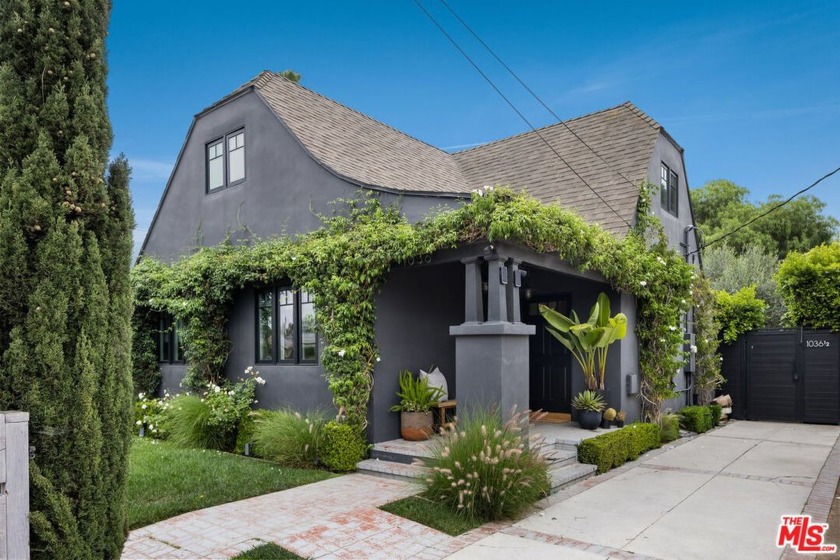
[{"x": 550, "y": 361}]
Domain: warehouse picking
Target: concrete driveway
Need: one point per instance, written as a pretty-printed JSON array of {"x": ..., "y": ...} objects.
[{"x": 718, "y": 495}]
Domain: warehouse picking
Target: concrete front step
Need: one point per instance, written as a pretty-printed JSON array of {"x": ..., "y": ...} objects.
[
  {"x": 570, "y": 474},
  {"x": 392, "y": 469},
  {"x": 559, "y": 457}
]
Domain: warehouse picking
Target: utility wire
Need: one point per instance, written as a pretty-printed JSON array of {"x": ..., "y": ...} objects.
[
  {"x": 532, "y": 92},
  {"x": 517, "y": 111},
  {"x": 773, "y": 209}
]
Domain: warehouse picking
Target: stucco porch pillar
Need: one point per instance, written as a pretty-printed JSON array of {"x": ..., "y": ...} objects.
[{"x": 491, "y": 357}]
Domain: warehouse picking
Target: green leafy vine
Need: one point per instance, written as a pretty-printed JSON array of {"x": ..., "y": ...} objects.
[{"x": 344, "y": 263}]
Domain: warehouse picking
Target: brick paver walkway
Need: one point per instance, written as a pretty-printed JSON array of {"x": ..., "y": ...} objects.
[{"x": 335, "y": 518}]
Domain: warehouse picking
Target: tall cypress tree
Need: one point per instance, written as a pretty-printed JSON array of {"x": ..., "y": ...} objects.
[{"x": 65, "y": 251}]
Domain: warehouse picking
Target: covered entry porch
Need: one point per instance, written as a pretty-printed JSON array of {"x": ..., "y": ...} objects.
[{"x": 474, "y": 313}]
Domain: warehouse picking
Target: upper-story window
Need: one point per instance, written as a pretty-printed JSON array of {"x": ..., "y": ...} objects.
[
  {"x": 669, "y": 190},
  {"x": 286, "y": 327},
  {"x": 226, "y": 160}
]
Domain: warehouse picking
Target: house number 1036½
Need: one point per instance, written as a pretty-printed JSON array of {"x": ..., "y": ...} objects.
[{"x": 817, "y": 343}]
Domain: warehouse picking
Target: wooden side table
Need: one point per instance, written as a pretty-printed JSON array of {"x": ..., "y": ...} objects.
[{"x": 443, "y": 407}]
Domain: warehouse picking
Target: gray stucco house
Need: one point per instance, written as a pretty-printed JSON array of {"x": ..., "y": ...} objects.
[{"x": 267, "y": 158}]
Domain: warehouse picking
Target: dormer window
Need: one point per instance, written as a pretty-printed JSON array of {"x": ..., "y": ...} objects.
[
  {"x": 226, "y": 161},
  {"x": 669, "y": 190}
]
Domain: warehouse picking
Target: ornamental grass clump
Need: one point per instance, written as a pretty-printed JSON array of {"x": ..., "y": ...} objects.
[
  {"x": 288, "y": 437},
  {"x": 486, "y": 469}
]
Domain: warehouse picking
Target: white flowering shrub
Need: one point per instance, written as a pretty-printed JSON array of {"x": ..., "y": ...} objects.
[
  {"x": 216, "y": 418},
  {"x": 486, "y": 469},
  {"x": 150, "y": 414}
]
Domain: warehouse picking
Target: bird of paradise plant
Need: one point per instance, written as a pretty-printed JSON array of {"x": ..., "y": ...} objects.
[{"x": 588, "y": 341}]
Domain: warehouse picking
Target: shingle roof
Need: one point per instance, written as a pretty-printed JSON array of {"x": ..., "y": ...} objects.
[
  {"x": 373, "y": 154},
  {"x": 356, "y": 146},
  {"x": 623, "y": 136}
]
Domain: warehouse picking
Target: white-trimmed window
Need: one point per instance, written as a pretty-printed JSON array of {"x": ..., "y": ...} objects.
[{"x": 226, "y": 160}]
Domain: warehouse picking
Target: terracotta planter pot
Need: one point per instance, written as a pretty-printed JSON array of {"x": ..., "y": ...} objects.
[{"x": 415, "y": 426}]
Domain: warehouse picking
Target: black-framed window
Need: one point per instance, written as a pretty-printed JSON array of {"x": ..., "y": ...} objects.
[
  {"x": 170, "y": 345},
  {"x": 669, "y": 190},
  {"x": 286, "y": 327},
  {"x": 226, "y": 160}
]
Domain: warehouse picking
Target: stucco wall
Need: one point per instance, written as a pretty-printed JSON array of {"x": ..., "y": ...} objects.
[
  {"x": 283, "y": 190},
  {"x": 414, "y": 311}
]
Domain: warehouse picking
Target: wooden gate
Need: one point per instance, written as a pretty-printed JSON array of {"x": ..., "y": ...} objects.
[
  {"x": 14, "y": 485},
  {"x": 784, "y": 375}
]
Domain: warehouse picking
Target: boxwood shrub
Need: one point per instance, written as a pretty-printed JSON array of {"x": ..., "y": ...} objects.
[
  {"x": 696, "y": 419},
  {"x": 613, "y": 449},
  {"x": 342, "y": 446},
  {"x": 716, "y": 411}
]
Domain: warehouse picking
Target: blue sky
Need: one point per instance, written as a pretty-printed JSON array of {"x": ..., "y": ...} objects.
[{"x": 751, "y": 90}]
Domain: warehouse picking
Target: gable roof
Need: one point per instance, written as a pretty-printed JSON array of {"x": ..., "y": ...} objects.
[{"x": 372, "y": 154}]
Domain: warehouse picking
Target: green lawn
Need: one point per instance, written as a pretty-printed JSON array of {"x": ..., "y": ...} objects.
[
  {"x": 268, "y": 551},
  {"x": 432, "y": 514},
  {"x": 165, "y": 480}
]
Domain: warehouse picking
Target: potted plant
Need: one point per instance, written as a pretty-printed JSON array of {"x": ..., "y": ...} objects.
[
  {"x": 589, "y": 405},
  {"x": 588, "y": 341},
  {"x": 609, "y": 416},
  {"x": 416, "y": 402},
  {"x": 619, "y": 418}
]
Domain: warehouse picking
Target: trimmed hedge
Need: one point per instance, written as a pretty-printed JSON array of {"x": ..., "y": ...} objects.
[
  {"x": 716, "y": 411},
  {"x": 613, "y": 449},
  {"x": 696, "y": 419},
  {"x": 342, "y": 446}
]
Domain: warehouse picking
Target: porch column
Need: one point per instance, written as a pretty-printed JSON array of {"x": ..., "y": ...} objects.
[
  {"x": 515, "y": 275},
  {"x": 474, "y": 307},
  {"x": 491, "y": 357},
  {"x": 497, "y": 279}
]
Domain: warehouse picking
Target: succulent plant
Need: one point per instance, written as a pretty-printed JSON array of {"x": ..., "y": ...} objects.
[
  {"x": 588, "y": 400},
  {"x": 609, "y": 414},
  {"x": 620, "y": 415}
]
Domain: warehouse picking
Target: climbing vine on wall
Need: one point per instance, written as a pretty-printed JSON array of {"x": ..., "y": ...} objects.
[{"x": 345, "y": 262}]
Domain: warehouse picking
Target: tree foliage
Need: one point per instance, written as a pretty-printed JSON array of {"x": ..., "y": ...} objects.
[
  {"x": 65, "y": 295},
  {"x": 810, "y": 285},
  {"x": 721, "y": 206},
  {"x": 345, "y": 262},
  {"x": 731, "y": 272},
  {"x": 739, "y": 313}
]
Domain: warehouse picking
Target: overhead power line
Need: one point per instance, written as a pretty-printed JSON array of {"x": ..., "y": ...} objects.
[
  {"x": 773, "y": 209},
  {"x": 532, "y": 92},
  {"x": 515, "y": 109}
]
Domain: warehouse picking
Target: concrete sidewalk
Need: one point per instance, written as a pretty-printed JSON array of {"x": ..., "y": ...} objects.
[{"x": 719, "y": 495}]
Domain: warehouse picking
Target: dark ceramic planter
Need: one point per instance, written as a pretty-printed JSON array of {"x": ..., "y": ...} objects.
[
  {"x": 589, "y": 419},
  {"x": 605, "y": 424},
  {"x": 619, "y": 423}
]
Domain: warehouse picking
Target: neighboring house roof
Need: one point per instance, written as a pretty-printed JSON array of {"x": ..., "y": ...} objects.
[{"x": 370, "y": 153}]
